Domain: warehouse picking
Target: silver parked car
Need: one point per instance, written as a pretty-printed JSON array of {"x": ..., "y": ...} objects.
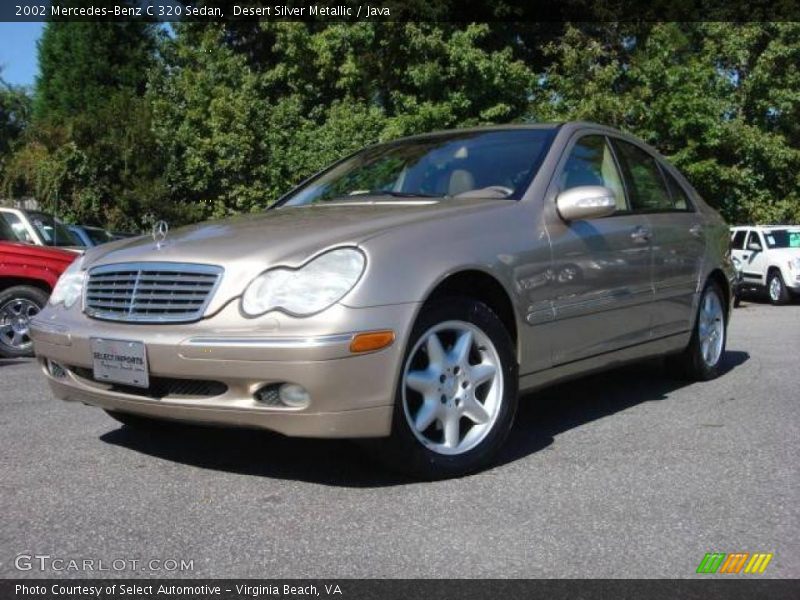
[{"x": 408, "y": 292}]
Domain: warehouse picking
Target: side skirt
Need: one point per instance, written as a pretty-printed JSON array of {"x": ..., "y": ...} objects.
[{"x": 601, "y": 362}]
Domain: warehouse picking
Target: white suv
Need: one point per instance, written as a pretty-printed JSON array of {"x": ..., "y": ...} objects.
[{"x": 768, "y": 257}]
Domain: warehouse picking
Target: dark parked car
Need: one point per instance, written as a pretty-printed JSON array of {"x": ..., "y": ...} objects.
[{"x": 91, "y": 236}]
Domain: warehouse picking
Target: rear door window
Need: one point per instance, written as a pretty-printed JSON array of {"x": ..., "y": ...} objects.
[{"x": 646, "y": 187}]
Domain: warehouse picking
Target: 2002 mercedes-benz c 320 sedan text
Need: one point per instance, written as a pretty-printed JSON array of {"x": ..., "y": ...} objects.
[{"x": 408, "y": 292}]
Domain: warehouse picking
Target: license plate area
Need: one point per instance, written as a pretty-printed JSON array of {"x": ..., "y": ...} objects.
[{"x": 120, "y": 361}]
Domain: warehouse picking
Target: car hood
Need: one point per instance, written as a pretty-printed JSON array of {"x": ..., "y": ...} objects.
[
  {"x": 248, "y": 244},
  {"x": 31, "y": 251}
]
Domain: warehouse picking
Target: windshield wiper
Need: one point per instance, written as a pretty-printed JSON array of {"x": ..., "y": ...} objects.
[{"x": 392, "y": 193}]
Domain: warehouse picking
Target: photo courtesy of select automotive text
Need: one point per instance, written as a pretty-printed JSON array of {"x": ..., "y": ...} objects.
[{"x": 399, "y": 299}]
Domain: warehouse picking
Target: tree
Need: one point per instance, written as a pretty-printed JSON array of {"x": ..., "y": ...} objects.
[
  {"x": 240, "y": 123},
  {"x": 90, "y": 152},
  {"x": 698, "y": 93},
  {"x": 15, "y": 109}
]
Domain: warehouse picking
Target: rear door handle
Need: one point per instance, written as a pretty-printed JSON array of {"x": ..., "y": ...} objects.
[
  {"x": 696, "y": 230},
  {"x": 641, "y": 234}
]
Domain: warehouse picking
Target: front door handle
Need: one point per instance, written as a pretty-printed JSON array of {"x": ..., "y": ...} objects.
[{"x": 641, "y": 234}]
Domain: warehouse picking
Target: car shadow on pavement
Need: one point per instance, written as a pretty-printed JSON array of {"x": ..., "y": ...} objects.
[
  {"x": 542, "y": 416},
  {"x": 8, "y": 362}
]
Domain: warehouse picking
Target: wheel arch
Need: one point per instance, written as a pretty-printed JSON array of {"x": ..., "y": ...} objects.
[
  {"x": 483, "y": 287},
  {"x": 9, "y": 282},
  {"x": 718, "y": 277}
]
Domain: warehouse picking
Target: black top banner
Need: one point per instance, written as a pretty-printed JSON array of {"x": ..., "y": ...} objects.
[{"x": 402, "y": 10}]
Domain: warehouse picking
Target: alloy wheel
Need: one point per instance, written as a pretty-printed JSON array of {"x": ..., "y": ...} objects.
[
  {"x": 452, "y": 387},
  {"x": 15, "y": 316},
  {"x": 711, "y": 328},
  {"x": 775, "y": 289}
]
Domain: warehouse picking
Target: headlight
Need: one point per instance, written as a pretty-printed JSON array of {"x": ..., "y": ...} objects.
[
  {"x": 69, "y": 286},
  {"x": 313, "y": 287}
]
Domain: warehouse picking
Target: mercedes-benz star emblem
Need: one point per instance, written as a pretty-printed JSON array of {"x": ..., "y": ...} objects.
[{"x": 160, "y": 230}]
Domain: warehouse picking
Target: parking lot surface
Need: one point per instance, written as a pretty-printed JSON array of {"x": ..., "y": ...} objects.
[{"x": 624, "y": 474}]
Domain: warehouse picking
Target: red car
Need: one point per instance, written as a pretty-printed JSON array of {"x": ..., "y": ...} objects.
[{"x": 27, "y": 276}]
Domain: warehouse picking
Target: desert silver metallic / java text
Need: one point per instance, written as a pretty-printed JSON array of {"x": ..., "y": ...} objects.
[
  {"x": 452, "y": 403},
  {"x": 711, "y": 328}
]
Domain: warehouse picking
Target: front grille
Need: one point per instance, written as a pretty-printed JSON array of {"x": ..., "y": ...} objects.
[
  {"x": 161, "y": 387},
  {"x": 150, "y": 292}
]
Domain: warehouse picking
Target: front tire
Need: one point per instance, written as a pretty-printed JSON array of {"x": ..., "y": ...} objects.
[
  {"x": 457, "y": 394},
  {"x": 18, "y": 305},
  {"x": 778, "y": 293},
  {"x": 701, "y": 359}
]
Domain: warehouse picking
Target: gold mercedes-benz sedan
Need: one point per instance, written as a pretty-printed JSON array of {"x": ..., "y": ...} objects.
[{"x": 408, "y": 292}]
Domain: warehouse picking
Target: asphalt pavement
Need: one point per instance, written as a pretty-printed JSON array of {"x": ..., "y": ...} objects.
[{"x": 629, "y": 473}]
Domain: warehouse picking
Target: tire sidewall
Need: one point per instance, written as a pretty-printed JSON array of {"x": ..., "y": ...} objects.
[
  {"x": 705, "y": 371},
  {"x": 430, "y": 464},
  {"x": 35, "y": 295},
  {"x": 783, "y": 294}
]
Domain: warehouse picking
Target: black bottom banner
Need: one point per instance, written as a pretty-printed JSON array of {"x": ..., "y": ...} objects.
[{"x": 390, "y": 589}]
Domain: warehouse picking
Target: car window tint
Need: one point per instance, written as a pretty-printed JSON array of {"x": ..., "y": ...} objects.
[
  {"x": 591, "y": 162},
  {"x": 738, "y": 240},
  {"x": 18, "y": 227},
  {"x": 753, "y": 237},
  {"x": 645, "y": 183},
  {"x": 680, "y": 201}
]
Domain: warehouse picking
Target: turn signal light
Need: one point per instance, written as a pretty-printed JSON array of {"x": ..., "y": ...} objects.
[{"x": 371, "y": 341}]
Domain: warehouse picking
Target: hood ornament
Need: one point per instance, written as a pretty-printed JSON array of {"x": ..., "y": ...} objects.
[{"x": 160, "y": 230}]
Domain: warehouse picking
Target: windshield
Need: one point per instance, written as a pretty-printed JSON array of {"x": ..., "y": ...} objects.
[
  {"x": 7, "y": 233},
  {"x": 481, "y": 164},
  {"x": 98, "y": 236},
  {"x": 783, "y": 238},
  {"x": 52, "y": 231}
]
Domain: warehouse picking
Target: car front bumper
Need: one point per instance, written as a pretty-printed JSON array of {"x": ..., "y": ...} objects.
[{"x": 352, "y": 395}]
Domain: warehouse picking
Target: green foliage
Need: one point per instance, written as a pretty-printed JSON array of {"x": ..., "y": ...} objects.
[
  {"x": 132, "y": 123},
  {"x": 89, "y": 153},
  {"x": 15, "y": 110},
  {"x": 720, "y": 100}
]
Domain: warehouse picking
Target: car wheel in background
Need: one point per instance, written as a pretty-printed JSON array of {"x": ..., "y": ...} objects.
[
  {"x": 701, "y": 359},
  {"x": 457, "y": 394},
  {"x": 778, "y": 294},
  {"x": 18, "y": 305}
]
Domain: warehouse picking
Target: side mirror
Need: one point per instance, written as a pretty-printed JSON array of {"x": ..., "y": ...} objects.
[
  {"x": 586, "y": 202},
  {"x": 754, "y": 246}
]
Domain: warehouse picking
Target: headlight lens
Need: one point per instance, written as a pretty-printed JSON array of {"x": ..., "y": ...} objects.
[
  {"x": 313, "y": 287},
  {"x": 69, "y": 286}
]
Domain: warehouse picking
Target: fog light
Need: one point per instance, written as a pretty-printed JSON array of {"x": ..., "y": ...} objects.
[
  {"x": 293, "y": 395},
  {"x": 56, "y": 370}
]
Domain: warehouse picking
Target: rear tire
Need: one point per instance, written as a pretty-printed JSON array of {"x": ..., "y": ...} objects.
[
  {"x": 701, "y": 359},
  {"x": 457, "y": 393},
  {"x": 18, "y": 305},
  {"x": 776, "y": 288}
]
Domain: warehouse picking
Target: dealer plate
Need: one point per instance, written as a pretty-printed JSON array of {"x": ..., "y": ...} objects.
[{"x": 120, "y": 361}]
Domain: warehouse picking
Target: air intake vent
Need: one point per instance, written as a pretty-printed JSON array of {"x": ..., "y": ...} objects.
[{"x": 150, "y": 292}]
